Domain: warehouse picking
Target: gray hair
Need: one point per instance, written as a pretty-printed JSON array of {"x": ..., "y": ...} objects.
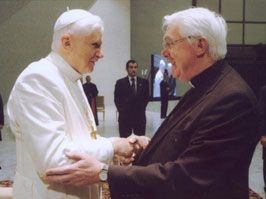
[
  {"x": 75, "y": 22},
  {"x": 201, "y": 22}
]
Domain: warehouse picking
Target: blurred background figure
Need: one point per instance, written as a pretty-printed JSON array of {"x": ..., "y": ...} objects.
[
  {"x": 91, "y": 91},
  {"x": 165, "y": 91},
  {"x": 131, "y": 98},
  {"x": 158, "y": 78},
  {"x": 1, "y": 116}
]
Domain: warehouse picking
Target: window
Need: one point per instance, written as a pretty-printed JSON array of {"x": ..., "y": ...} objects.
[{"x": 246, "y": 19}]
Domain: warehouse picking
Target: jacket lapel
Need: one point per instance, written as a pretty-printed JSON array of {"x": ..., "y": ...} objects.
[
  {"x": 180, "y": 112},
  {"x": 139, "y": 85}
]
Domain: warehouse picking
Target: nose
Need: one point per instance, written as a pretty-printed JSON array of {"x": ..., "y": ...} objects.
[
  {"x": 165, "y": 53},
  {"x": 99, "y": 54}
]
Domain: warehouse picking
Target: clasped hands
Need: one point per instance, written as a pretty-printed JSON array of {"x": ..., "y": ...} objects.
[
  {"x": 126, "y": 149},
  {"x": 85, "y": 169}
]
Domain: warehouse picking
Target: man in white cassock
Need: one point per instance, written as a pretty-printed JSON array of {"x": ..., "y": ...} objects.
[{"x": 50, "y": 115}]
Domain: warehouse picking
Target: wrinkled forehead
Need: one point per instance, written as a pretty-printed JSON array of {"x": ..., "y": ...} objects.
[{"x": 171, "y": 33}]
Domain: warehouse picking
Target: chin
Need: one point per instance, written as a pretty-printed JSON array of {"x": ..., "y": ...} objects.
[{"x": 90, "y": 69}]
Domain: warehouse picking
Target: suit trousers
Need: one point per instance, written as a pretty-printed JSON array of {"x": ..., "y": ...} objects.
[{"x": 126, "y": 128}]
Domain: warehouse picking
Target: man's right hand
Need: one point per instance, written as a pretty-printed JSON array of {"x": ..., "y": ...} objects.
[
  {"x": 122, "y": 147},
  {"x": 139, "y": 142},
  {"x": 263, "y": 141}
]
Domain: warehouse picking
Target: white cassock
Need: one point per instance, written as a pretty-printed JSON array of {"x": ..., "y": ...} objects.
[{"x": 49, "y": 114}]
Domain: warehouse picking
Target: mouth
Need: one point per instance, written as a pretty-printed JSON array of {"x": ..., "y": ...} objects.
[
  {"x": 93, "y": 62},
  {"x": 172, "y": 62}
]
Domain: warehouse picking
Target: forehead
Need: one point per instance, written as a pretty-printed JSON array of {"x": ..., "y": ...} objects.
[
  {"x": 95, "y": 36},
  {"x": 131, "y": 65},
  {"x": 171, "y": 33}
]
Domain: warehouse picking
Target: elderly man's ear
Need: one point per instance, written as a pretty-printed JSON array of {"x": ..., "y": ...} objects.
[
  {"x": 202, "y": 47},
  {"x": 66, "y": 42}
]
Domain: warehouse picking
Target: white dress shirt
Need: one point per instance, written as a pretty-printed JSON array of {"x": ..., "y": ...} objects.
[{"x": 49, "y": 114}]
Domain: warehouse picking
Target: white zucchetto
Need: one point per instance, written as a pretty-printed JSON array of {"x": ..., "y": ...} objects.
[{"x": 71, "y": 16}]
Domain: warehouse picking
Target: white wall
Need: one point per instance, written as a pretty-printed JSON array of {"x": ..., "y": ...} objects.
[{"x": 116, "y": 45}]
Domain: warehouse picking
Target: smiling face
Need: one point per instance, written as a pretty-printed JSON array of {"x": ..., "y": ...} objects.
[
  {"x": 84, "y": 51},
  {"x": 179, "y": 53}
]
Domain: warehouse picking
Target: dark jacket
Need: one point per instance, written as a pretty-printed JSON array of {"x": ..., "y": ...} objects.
[
  {"x": 204, "y": 147},
  {"x": 131, "y": 107},
  {"x": 91, "y": 92}
]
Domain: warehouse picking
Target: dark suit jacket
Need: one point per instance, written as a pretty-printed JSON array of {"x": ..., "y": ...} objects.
[
  {"x": 204, "y": 147},
  {"x": 131, "y": 107},
  {"x": 91, "y": 92}
]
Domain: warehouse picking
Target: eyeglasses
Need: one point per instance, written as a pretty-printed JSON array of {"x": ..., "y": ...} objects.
[{"x": 170, "y": 44}]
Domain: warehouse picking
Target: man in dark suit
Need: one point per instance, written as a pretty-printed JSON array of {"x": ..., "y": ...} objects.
[
  {"x": 1, "y": 116},
  {"x": 91, "y": 92},
  {"x": 131, "y": 97},
  {"x": 164, "y": 94},
  {"x": 262, "y": 105},
  {"x": 203, "y": 149}
]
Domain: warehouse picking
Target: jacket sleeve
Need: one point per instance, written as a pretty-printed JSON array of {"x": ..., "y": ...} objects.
[
  {"x": 118, "y": 98},
  {"x": 146, "y": 93}
]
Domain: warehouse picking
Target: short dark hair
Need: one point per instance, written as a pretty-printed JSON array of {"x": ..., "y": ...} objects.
[{"x": 130, "y": 61}]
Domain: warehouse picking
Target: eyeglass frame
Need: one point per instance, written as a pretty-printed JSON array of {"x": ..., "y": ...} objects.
[{"x": 168, "y": 45}]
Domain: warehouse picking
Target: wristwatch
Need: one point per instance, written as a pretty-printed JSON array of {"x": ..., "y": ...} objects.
[{"x": 103, "y": 175}]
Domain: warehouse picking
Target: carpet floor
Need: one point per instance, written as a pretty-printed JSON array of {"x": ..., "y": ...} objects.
[{"x": 8, "y": 183}]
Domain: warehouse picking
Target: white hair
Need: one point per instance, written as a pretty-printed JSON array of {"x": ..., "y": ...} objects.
[
  {"x": 75, "y": 22},
  {"x": 201, "y": 22}
]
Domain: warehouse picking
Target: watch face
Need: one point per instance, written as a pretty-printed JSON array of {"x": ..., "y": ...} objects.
[{"x": 103, "y": 175}]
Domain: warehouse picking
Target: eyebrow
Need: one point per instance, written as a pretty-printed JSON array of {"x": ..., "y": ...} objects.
[
  {"x": 97, "y": 44},
  {"x": 167, "y": 38}
]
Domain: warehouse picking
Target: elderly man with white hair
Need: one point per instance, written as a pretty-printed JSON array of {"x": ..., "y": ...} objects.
[
  {"x": 204, "y": 147},
  {"x": 50, "y": 115}
]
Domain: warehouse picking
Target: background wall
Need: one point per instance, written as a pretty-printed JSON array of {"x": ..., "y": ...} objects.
[{"x": 116, "y": 45}]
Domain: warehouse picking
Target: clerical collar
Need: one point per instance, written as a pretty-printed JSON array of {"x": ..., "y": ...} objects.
[
  {"x": 63, "y": 66},
  {"x": 191, "y": 84},
  {"x": 206, "y": 75}
]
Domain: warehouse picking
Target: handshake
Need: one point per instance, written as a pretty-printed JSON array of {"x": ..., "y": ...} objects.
[
  {"x": 127, "y": 149},
  {"x": 85, "y": 169}
]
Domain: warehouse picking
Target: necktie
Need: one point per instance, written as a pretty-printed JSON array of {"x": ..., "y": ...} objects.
[{"x": 133, "y": 86}]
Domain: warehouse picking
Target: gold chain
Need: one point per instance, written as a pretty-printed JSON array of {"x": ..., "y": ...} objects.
[{"x": 89, "y": 122}]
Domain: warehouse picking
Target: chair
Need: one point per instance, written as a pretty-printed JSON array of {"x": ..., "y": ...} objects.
[{"x": 100, "y": 105}]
